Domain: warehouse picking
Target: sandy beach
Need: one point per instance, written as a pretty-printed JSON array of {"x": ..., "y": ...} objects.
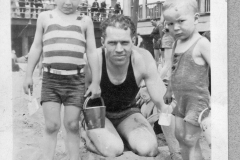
[{"x": 28, "y": 131}]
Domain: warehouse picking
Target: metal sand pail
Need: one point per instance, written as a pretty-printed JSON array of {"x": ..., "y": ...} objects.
[
  {"x": 94, "y": 116},
  {"x": 205, "y": 125}
]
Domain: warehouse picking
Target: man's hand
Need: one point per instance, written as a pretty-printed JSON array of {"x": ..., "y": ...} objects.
[
  {"x": 28, "y": 84},
  {"x": 167, "y": 98},
  {"x": 142, "y": 96},
  {"x": 95, "y": 91}
]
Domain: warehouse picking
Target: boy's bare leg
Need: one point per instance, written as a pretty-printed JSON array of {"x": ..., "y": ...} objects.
[
  {"x": 188, "y": 137},
  {"x": 71, "y": 124},
  {"x": 157, "y": 56},
  {"x": 51, "y": 111},
  {"x": 139, "y": 135},
  {"x": 173, "y": 145}
]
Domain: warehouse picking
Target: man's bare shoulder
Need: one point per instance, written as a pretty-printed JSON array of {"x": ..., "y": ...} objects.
[
  {"x": 142, "y": 60},
  {"x": 142, "y": 53}
]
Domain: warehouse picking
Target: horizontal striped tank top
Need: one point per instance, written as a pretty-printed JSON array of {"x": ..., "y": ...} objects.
[{"x": 64, "y": 44}]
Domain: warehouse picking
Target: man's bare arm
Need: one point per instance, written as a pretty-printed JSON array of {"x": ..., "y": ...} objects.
[{"x": 154, "y": 84}]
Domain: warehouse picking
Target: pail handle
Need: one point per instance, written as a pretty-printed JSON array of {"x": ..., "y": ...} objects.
[
  {"x": 88, "y": 98},
  {"x": 200, "y": 116}
]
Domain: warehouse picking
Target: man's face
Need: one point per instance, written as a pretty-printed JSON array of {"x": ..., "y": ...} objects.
[
  {"x": 118, "y": 44},
  {"x": 68, "y": 6},
  {"x": 181, "y": 22}
]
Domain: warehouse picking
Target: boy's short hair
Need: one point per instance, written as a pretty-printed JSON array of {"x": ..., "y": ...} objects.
[
  {"x": 190, "y": 4},
  {"x": 118, "y": 21}
]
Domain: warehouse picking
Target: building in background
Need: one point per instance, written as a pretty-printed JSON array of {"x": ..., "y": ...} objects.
[{"x": 23, "y": 29}]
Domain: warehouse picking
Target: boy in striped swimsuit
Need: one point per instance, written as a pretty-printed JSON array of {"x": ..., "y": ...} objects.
[{"x": 63, "y": 37}]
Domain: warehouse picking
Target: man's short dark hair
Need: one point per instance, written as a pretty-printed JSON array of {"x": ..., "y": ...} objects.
[{"x": 118, "y": 21}]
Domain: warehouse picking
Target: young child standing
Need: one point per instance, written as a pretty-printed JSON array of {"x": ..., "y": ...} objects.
[
  {"x": 63, "y": 37},
  {"x": 189, "y": 80}
]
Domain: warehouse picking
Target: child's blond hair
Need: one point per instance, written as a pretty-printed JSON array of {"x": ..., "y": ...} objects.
[{"x": 190, "y": 4}]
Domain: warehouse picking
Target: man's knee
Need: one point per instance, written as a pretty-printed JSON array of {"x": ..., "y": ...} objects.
[
  {"x": 72, "y": 126},
  {"x": 113, "y": 149},
  {"x": 147, "y": 148},
  {"x": 52, "y": 127},
  {"x": 107, "y": 144}
]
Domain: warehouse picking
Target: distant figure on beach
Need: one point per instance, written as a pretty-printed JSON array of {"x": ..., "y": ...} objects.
[
  {"x": 103, "y": 9},
  {"x": 60, "y": 37},
  {"x": 139, "y": 42},
  {"x": 110, "y": 11},
  {"x": 167, "y": 45},
  {"x": 95, "y": 10},
  {"x": 122, "y": 67},
  {"x": 189, "y": 79},
  {"x": 117, "y": 8},
  {"x": 156, "y": 35}
]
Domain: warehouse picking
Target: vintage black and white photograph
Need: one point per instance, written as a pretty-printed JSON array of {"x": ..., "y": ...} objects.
[{"x": 111, "y": 79}]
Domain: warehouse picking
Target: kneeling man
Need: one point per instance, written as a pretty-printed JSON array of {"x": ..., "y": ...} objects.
[{"x": 122, "y": 68}]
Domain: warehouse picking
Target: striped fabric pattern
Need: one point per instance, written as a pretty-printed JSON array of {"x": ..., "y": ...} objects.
[{"x": 63, "y": 46}]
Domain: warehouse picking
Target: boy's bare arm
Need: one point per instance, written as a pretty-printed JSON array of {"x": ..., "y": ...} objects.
[
  {"x": 88, "y": 76},
  {"x": 92, "y": 58},
  {"x": 34, "y": 53},
  {"x": 204, "y": 46},
  {"x": 36, "y": 48}
]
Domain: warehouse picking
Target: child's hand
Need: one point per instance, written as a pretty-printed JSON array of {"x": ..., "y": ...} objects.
[
  {"x": 167, "y": 98},
  {"x": 95, "y": 91},
  {"x": 28, "y": 84}
]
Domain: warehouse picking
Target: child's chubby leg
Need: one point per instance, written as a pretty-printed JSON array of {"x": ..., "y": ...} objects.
[
  {"x": 71, "y": 124},
  {"x": 51, "y": 111},
  {"x": 169, "y": 133},
  {"x": 188, "y": 136}
]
